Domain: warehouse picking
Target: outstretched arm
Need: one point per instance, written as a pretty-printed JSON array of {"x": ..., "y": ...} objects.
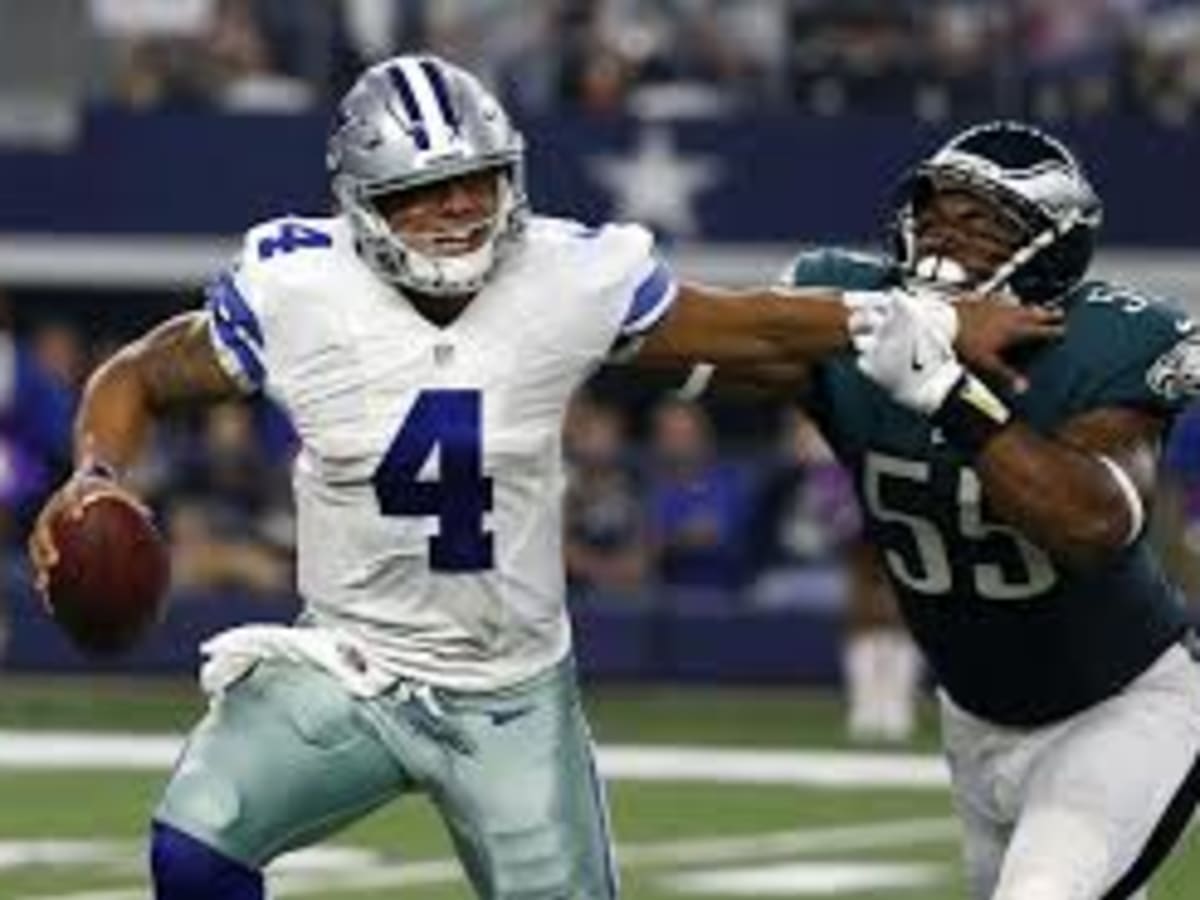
[
  {"x": 766, "y": 339},
  {"x": 750, "y": 328}
]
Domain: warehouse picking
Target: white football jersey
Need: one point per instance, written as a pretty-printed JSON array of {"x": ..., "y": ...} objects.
[{"x": 429, "y": 478}]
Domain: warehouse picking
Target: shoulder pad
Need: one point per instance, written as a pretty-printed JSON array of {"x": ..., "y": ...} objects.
[
  {"x": 276, "y": 261},
  {"x": 1149, "y": 344},
  {"x": 1137, "y": 318},
  {"x": 279, "y": 246},
  {"x": 596, "y": 256},
  {"x": 838, "y": 268},
  {"x": 591, "y": 240}
]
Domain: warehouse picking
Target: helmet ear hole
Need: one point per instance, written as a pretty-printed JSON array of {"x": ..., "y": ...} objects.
[
  {"x": 1055, "y": 269},
  {"x": 921, "y": 193},
  {"x": 907, "y": 197}
]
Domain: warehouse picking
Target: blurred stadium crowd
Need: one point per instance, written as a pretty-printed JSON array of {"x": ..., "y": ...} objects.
[{"x": 933, "y": 59}]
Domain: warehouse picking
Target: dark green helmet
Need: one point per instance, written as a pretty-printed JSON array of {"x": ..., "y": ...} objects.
[{"x": 1031, "y": 179}]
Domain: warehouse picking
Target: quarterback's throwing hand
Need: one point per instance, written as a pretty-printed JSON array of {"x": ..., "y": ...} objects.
[{"x": 68, "y": 500}]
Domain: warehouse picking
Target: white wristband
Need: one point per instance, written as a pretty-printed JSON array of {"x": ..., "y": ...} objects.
[
  {"x": 697, "y": 381},
  {"x": 1133, "y": 500}
]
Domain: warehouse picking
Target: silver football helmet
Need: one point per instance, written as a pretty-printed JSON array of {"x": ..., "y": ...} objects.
[
  {"x": 1035, "y": 182},
  {"x": 412, "y": 121}
]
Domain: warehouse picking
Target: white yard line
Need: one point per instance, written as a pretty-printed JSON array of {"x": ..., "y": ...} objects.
[
  {"x": 812, "y": 768},
  {"x": 75, "y": 750},
  {"x": 836, "y": 839},
  {"x": 66, "y": 750},
  {"x": 801, "y": 879},
  {"x": 46, "y": 852}
]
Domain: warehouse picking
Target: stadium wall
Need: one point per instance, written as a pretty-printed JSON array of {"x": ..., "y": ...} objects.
[
  {"x": 744, "y": 180},
  {"x": 115, "y": 263}
]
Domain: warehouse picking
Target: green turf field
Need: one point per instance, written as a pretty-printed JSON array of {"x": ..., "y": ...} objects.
[{"x": 76, "y": 834}]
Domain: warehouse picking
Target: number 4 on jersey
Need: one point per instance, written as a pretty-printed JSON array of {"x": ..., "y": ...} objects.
[
  {"x": 292, "y": 236},
  {"x": 448, "y": 423}
]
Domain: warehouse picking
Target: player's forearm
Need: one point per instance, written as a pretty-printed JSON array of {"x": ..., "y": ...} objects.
[
  {"x": 1063, "y": 499},
  {"x": 115, "y": 416},
  {"x": 802, "y": 325},
  {"x": 172, "y": 366},
  {"x": 756, "y": 328}
]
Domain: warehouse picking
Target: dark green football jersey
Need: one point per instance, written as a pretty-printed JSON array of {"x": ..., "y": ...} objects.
[{"x": 1011, "y": 636}]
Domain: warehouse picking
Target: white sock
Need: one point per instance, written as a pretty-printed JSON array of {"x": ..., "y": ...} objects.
[
  {"x": 855, "y": 669},
  {"x": 901, "y": 664},
  {"x": 862, "y": 660}
]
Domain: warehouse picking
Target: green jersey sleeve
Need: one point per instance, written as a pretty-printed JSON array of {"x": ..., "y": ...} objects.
[
  {"x": 837, "y": 268},
  {"x": 1142, "y": 352}
]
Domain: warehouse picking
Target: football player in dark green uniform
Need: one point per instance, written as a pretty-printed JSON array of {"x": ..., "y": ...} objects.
[{"x": 1011, "y": 523}]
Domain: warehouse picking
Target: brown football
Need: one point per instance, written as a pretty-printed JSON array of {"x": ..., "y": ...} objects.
[{"x": 107, "y": 588}]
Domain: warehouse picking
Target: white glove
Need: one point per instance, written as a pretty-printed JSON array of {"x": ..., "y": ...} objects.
[
  {"x": 867, "y": 310},
  {"x": 909, "y": 349}
]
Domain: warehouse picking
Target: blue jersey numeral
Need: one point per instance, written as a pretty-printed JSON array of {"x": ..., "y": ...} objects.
[
  {"x": 449, "y": 422},
  {"x": 292, "y": 236}
]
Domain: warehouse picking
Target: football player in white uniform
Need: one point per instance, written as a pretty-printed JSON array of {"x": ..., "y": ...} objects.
[{"x": 425, "y": 342}]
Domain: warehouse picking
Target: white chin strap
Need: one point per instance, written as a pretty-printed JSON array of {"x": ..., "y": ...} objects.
[
  {"x": 447, "y": 275},
  {"x": 443, "y": 275},
  {"x": 459, "y": 273}
]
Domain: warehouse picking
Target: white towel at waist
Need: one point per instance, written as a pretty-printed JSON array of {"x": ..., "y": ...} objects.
[{"x": 231, "y": 654}]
